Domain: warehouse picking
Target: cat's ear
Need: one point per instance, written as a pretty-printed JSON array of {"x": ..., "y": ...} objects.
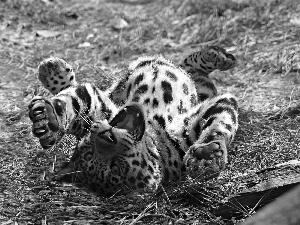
[{"x": 132, "y": 119}]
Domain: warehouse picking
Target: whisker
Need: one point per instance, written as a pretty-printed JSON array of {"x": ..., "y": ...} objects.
[
  {"x": 84, "y": 116},
  {"x": 205, "y": 196},
  {"x": 240, "y": 207},
  {"x": 260, "y": 200}
]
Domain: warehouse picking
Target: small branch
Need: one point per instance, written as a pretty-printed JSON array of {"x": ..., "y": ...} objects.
[{"x": 283, "y": 211}]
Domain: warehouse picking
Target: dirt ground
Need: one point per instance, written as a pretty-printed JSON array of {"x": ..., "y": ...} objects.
[{"x": 99, "y": 37}]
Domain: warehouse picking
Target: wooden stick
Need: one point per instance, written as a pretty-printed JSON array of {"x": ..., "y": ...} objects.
[
  {"x": 283, "y": 211},
  {"x": 259, "y": 189}
]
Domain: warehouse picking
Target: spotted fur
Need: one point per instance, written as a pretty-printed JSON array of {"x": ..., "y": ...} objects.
[
  {"x": 200, "y": 64},
  {"x": 56, "y": 75},
  {"x": 162, "y": 128}
]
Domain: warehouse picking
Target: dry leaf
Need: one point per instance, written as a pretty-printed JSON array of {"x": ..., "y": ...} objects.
[
  {"x": 295, "y": 21},
  {"x": 47, "y": 33},
  {"x": 84, "y": 45},
  {"x": 120, "y": 24}
]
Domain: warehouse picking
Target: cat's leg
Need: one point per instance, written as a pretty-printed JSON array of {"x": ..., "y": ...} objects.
[
  {"x": 201, "y": 63},
  {"x": 212, "y": 128},
  {"x": 56, "y": 75},
  {"x": 70, "y": 111}
]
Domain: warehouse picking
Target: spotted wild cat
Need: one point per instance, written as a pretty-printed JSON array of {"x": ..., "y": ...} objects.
[{"x": 155, "y": 124}]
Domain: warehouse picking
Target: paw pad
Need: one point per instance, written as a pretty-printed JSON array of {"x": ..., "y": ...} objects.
[
  {"x": 206, "y": 160},
  {"x": 208, "y": 152}
]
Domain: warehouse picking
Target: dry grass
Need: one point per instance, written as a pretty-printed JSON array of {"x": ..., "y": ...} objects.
[{"x": 262, "y": 35}]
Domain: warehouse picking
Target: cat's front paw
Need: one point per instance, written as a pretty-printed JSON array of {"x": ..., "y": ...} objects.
[
  {"x": 206, "y": 160},
  {"x": 45, "y": 124}
]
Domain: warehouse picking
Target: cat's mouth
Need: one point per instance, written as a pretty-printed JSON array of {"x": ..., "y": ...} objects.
[
  {"x": 131, "y": 119},
  {"x": 108, "y": 136},
  {"x": 127, "y": 127},
  {"x": 127, "y": 118}
]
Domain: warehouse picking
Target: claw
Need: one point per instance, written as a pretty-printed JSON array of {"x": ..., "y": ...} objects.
[
  {"x": 44, "y": 121},
  {"x": 37, "y": 112},
  {"x": 46, "y": 146},
  {"x": 39, "y": 131}
]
